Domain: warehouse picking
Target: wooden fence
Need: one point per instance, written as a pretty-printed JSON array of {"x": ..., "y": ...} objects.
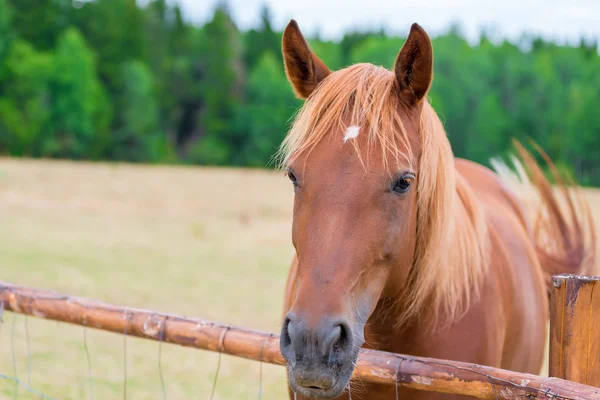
[{"x": 574, "y": 357}]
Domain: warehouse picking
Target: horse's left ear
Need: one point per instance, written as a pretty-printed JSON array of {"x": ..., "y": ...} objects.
[{"x": 414, "y": 65}]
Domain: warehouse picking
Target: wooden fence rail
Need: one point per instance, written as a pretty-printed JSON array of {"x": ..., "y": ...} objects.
[{"x": 373, "y": 366}]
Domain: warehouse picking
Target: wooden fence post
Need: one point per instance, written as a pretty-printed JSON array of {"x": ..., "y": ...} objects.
[{"x": 575, "y": 329}]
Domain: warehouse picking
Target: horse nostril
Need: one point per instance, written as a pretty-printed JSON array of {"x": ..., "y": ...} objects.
[
  {"x": 331, "y": 339},
  {"x": 337, "y": 341},
  {"x": 344, "y": 340},
  {"x": 285, "y": 333},
  {"x": 286, "y": 340}
]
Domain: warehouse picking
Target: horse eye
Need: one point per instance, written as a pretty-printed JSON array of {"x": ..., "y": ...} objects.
[
  {"x": 292, "y": 178},
  {"x": 401, "y": 185}
]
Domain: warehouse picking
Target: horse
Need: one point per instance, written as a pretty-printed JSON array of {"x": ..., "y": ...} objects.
[{"x": 400, "y": 246}]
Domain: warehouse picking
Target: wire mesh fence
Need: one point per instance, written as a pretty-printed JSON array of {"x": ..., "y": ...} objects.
[{"x": 26, "y": 372}]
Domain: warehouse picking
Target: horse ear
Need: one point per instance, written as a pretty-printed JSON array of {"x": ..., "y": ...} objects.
[
  {"x": 303, "y": 68},
  {"x": 414, "y": 64}
]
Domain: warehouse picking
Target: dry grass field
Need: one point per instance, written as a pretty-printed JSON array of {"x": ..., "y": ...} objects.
[{"x": 207, "y": 243}]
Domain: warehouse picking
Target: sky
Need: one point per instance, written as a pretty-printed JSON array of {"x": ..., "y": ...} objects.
[{"x": 559, "y": 20}]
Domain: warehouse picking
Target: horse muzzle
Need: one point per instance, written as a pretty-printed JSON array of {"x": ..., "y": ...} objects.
[{"x": 320, "y": 358}]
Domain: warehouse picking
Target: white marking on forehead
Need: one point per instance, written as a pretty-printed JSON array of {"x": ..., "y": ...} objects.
[{"x": 351, "y": 132}]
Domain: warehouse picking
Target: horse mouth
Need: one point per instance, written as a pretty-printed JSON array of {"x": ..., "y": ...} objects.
[{"x": 316, "y": 390}]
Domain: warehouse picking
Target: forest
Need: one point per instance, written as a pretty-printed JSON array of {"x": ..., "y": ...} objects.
[{"x": 115, "y": 80}]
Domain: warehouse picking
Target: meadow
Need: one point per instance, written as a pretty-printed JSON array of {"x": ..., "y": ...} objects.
[
  {"x": 202, "y": 242},
  {"x": 207, "y": 243}
]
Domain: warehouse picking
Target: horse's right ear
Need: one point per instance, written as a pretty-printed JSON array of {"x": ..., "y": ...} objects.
[
  {"x": 303, "y": 68},
  {"x": 414, "y": 65}
]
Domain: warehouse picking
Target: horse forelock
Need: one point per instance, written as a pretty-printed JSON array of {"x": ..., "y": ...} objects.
[{"x": 361, "y": 96}]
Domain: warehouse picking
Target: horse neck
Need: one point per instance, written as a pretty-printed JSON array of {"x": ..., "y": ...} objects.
[{"x": 382, "y": 332}]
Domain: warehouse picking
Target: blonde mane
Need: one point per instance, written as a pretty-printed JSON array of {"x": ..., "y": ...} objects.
[{"x": 452, "y": 244}]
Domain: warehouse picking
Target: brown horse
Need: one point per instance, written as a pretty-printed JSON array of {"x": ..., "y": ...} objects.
[{"x": 400, "y": 246}]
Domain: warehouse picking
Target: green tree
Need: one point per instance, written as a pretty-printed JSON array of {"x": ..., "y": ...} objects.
[
  {"x": 351, "y": 41},
  {"x": 40, "y": 22},
  {"x": 170, "y": 57},
  {"x": 24, "y": 114},
  {"x": 269, "y": 107},
  {"x": 5, "y": 32},
  {"x": 179, "y": 33},
  {"x": 114, "y": 30},
  {"x": 328, "y": 51},
  {"x": 377, "y": 50},
  {"x": 221, "y": 85},
  {"x": 139, "y": 138},
  {"x": 261, "y": 40},
  {"x": 79, "y": 109},
  {"x": 490, "y": 129},
  {"x": 453, "y": 93},
  {"x": 581, "y": 137},
  {"x": 159, "y": 57}
]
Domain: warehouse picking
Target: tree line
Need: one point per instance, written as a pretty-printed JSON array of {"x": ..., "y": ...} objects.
[{"x": 114, "y": 80}]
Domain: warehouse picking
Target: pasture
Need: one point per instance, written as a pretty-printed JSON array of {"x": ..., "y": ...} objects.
[{"x": 208, "y": 243}]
